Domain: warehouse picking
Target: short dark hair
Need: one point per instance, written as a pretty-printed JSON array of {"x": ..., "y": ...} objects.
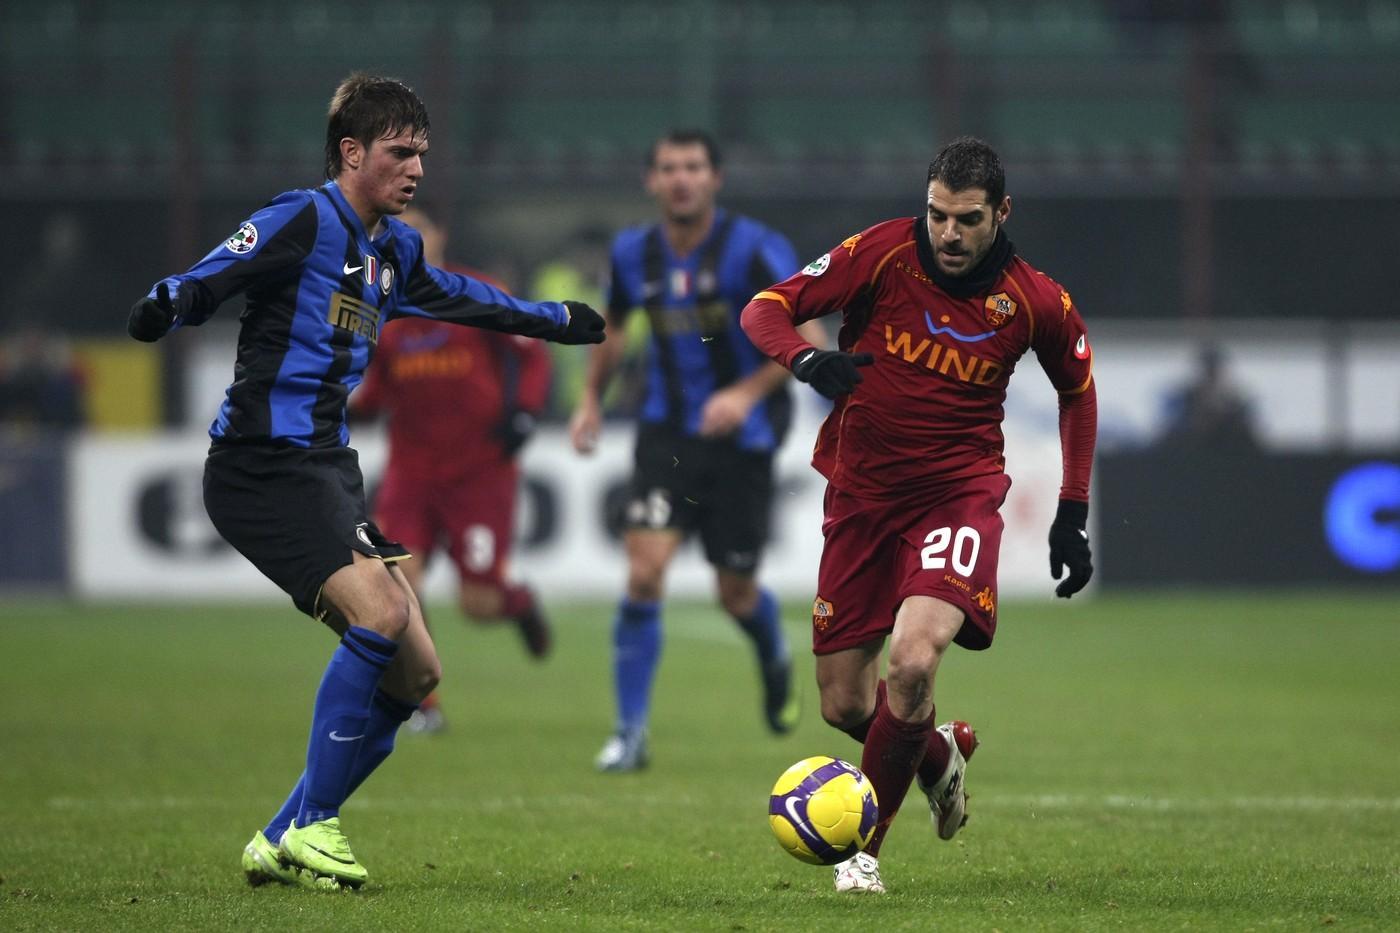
[
  {"x": 367, "y": 107},
  {"x": 686, "y": 137},
  {"x": 968, "y": 162}
]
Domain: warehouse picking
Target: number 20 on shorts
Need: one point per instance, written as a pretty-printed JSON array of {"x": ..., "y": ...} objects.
[{"x": 966, "y": 542}]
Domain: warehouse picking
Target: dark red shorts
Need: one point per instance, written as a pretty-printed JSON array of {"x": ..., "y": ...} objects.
[
  {"x": 880, "y": 552},
  {"x": 472, "y": 520}
]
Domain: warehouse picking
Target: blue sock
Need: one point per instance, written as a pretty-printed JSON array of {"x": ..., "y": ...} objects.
[
  {"x": 290, "y": 808},
  {"x": 636, "y": 650},
  {"x": 385, "y": 717},
  {"x": 765, "y": 629},
  {"x": 340, "y": 722}
]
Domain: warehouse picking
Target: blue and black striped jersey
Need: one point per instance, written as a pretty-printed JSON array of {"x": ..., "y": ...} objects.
[
  {"x": 693, "y": 304},
  {"x": 318, "y": 291}
]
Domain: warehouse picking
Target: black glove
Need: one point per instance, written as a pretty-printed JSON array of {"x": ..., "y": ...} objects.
[
  {"x": 831, "y": 372},
  {"x": 515, "y": 431},
  {"x": 1069, "y": 547},
  {"x": 150, "y": 318},
  {"x": 585, "y": 325}
]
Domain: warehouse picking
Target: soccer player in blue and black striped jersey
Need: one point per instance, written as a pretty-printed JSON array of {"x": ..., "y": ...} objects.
[
  {"x": 323, "y": 270},
  {"x": 714, "y": 413}
]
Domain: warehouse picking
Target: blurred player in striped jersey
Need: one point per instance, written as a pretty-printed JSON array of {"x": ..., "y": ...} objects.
[
  {"x": 936, "y": 312},
  {"x": 713, "y": 414},
  {"x": 460, "y": 404}
]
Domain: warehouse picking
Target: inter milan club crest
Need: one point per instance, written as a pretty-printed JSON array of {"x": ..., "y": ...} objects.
[
  {"x": 1000, "y": 309},
  {"x": 244, "y": 240},
  {"x": 386, "y": 278}
]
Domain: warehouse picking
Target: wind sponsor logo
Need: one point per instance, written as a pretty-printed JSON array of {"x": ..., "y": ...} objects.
[{"x": 962, "y": 365}]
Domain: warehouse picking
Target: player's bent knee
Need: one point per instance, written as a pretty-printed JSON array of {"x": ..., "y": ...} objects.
[
  {"x": 846, "y": 711},
  {"x": 910, "y": 673},
  {"x": 427, "y": 680},
  {"x": 644, "y": 587}
]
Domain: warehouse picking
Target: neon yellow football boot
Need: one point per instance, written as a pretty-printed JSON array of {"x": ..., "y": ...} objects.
[
  {"x": 261, "y": 864},
  {"x": 323, "y": 852}
]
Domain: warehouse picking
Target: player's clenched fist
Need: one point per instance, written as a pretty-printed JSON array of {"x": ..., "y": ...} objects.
[
  {"x": 151, "y": 317},
  {"x": 585, "y": 325},
  {"x": 831, "y": 372},
  {"x": 1069, "y": 547}
]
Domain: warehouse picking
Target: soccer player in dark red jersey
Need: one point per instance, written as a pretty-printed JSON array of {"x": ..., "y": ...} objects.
[
  {"x": 461, "y": 403},
  {"x": 937, "y": 310}
]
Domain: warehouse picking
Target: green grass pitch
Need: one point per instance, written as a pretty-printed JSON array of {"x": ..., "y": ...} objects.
[{"x": 1148, "y": 762}]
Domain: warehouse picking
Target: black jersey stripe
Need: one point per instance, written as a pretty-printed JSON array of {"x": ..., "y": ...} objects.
[
  {"x": 328, "y": 409},
  {"x": 266, "y": 324},
  {"x": 655, "y": 287},
  {"x": 724, "y": 368}
]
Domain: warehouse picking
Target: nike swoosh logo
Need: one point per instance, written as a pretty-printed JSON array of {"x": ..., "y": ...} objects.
[
  {"x": 805, "y": 357},
  {"x": 333, "y": 858},
  {"x": 337, "y": 737},
  {"x": 350, "y": 270},
  {"x": 796, "y": 817}
]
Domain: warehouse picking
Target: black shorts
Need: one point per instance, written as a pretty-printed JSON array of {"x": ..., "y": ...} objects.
[
  {"x": 697, "y": 484},
  {"x": 296, "y": 514}
]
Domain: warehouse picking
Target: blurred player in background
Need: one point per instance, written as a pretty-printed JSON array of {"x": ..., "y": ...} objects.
[
  {"x": 936, "y": 311},
  {"x": 461, "y": 402},
  {"x": 323, "y": 269},
  {"x": 712, "y": 416}
]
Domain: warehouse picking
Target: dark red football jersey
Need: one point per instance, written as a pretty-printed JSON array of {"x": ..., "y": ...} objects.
[
  {"x": 445, "y": 389},
  {"x": 929, "y": 411}
]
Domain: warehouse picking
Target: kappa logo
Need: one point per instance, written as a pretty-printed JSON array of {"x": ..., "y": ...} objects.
[
  {"x": 244, "y": 240},
  {"x": 849, "y": 244},
  {"x": 817, "y": 266}
]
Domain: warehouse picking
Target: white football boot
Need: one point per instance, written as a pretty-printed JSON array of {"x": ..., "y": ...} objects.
[
  {"x": 861, "y": 874},
  {"x": 947, "y": 797},
  {"x": 625, "y": 751}
]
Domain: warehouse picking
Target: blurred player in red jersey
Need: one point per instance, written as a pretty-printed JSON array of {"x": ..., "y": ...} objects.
[
  {"x": 937, "y": 310},
  {"x": 460, "y": 403}
]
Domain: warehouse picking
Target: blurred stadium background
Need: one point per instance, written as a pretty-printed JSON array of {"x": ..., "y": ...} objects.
[
  {"x": 1216, "y": 183},
  {"x": 1209, "y": 180}
]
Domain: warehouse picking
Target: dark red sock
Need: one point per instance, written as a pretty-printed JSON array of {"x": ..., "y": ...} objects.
[
  {"x": 517, "y": 601},
  {"x": 936, "y": 758},
  {"x": 893, "y": 750}
]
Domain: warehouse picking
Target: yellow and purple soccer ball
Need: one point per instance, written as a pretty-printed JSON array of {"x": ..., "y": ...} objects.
[{"x": 823, "y": 810}]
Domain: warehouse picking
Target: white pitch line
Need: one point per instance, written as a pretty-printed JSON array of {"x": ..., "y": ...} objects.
[
  {"x": 1069, "y": 803},
  {"x": 1187, "y": 804}
]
